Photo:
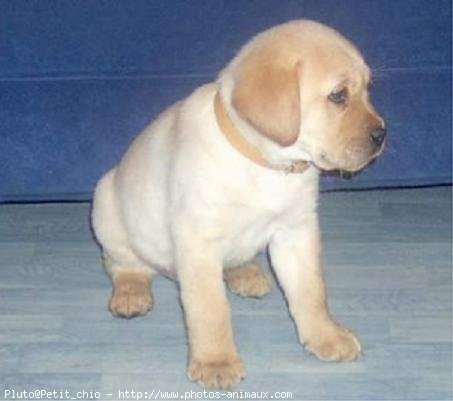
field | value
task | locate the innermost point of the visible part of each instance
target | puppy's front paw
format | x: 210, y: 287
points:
x: 222, y: 373
x: 334, y: 343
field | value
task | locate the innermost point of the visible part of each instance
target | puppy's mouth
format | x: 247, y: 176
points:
x: 322, y: 162
x: 352, y: 162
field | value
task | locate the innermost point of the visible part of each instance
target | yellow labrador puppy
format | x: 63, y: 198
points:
x: 232, y: 169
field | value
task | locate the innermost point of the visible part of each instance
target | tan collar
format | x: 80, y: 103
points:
x: 246, y: 148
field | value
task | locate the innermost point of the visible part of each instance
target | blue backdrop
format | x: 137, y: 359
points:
x: 79, y: 79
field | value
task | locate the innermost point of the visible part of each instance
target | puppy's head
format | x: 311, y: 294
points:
x: 303, y: 89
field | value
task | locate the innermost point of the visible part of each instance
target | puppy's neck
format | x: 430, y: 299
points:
x: 247, y: 149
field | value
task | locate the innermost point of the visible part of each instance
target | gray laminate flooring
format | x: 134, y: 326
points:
x: 388, y: 267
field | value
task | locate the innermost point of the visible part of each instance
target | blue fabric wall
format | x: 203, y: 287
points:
x: 79, y: 79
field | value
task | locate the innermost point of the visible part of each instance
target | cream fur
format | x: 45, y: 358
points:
x: 182, y: 202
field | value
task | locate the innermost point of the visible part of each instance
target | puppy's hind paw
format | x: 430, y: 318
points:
x: 248, y: 281
x: 131, y: 296
x: 129, y: 305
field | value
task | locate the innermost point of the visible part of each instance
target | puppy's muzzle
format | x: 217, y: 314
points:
x: 360, y: 152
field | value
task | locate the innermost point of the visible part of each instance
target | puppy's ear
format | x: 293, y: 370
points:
x: 266, y: 94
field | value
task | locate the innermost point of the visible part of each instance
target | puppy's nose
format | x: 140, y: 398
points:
x: 377, y: 135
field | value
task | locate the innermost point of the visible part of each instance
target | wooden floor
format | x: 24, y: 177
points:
x: 388, y: 266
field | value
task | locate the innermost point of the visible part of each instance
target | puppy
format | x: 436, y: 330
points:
x: 231, y: 170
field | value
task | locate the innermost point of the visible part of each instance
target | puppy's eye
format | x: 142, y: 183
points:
x: 339, y: 97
